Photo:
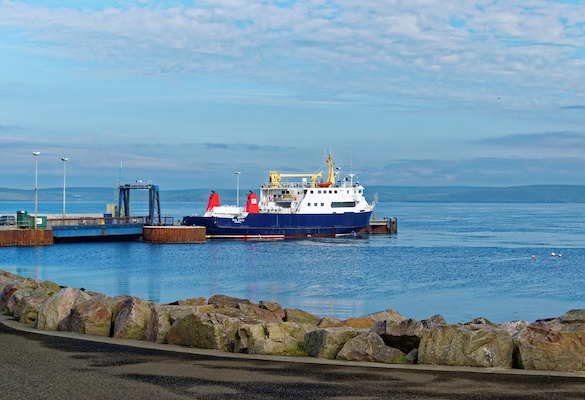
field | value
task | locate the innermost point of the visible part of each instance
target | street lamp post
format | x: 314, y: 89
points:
x: 64, y: 159
x: 36, y: 154
x: 238, y: 188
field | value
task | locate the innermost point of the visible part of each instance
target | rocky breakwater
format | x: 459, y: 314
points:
x: 229, y: 324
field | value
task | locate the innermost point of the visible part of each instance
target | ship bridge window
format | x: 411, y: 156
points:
x: 341, y: 204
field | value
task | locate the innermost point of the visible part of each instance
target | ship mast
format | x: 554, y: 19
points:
x: 330, y: 174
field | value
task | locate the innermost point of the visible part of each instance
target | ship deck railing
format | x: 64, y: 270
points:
x: 307, y: 185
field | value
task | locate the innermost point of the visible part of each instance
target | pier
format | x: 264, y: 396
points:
x: 72, y: 229
x: 104, y: 229
x: 385, y: 225
x: 120, y: 225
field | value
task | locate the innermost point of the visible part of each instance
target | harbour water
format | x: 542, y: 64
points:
x: 459, y: 260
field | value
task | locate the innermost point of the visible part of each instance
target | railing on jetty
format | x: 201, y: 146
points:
x: 85, y: 221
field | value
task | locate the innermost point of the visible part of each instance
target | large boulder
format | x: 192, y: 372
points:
x: 256, y: 313
x: 6, y: 276
x: 13, y: 304
x: 326, y: 342
x: 573, y: 317
x: 197, y: 301
x: 163, y: 316
x: 557, y: 344
x: 515, y: 329
x: 6, y: 294
x: 369, y: 346
x: 405, y: 335
x: 12, y: 294
x: 223, y: 301
x: 91, y: 317
x: 58, y: 307
x: 273, y: 307
x: 29, y: 309
x: 48, y: 288
x: 329, y: 322
x: 207, y: 331
x: 277, y: 338
x: 472, y: 345
x: 301, y: 317
x: 118, y: 305
x: 132, y: 320
x: 367, y: 321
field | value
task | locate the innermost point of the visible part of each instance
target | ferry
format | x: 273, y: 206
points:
x: 291, y: 206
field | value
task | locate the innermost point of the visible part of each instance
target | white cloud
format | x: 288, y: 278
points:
x: 528, y: 45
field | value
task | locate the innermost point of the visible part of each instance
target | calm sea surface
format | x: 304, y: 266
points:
x: 459, y: 260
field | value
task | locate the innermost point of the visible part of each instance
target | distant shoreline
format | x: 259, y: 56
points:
x: 385, y: 194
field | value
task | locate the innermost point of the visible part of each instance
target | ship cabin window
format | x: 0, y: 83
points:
x: 335, y: 191
x: 340, y: 204
x: 311, y: 192
x: 315, y: 204
x: 305, y: 191
x: 322, y: 204
x: 318, y: 192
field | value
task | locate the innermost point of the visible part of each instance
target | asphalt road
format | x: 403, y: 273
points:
x: 40, y: 366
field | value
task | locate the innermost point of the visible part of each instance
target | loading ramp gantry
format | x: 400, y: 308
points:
x: 154, y: 217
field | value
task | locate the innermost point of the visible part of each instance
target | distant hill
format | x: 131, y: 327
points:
x: 470, y: 194
x: 435, y: 194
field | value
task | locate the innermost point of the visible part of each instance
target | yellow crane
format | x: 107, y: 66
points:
x: 275, y: 177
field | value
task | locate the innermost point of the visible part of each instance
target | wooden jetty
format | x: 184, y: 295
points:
x: 86, y: 229
x: 174, y: 234
x: 385, y: 225
x: 25, y: 237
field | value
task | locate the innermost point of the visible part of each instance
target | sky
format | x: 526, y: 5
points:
x: 186, y: 93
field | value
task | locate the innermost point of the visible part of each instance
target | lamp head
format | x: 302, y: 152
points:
x: 36, y: 153
x: 64, y: 158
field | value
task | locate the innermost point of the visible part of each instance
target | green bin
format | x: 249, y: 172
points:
x: 22, y: 219
x: 41, y: 221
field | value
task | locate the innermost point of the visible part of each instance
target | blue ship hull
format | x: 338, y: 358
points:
x: 281, y: 226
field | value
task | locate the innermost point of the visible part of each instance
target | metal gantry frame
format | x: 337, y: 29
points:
x: 154, y: 217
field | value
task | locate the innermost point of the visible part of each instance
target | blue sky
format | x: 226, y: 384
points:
x: 184, y: 93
